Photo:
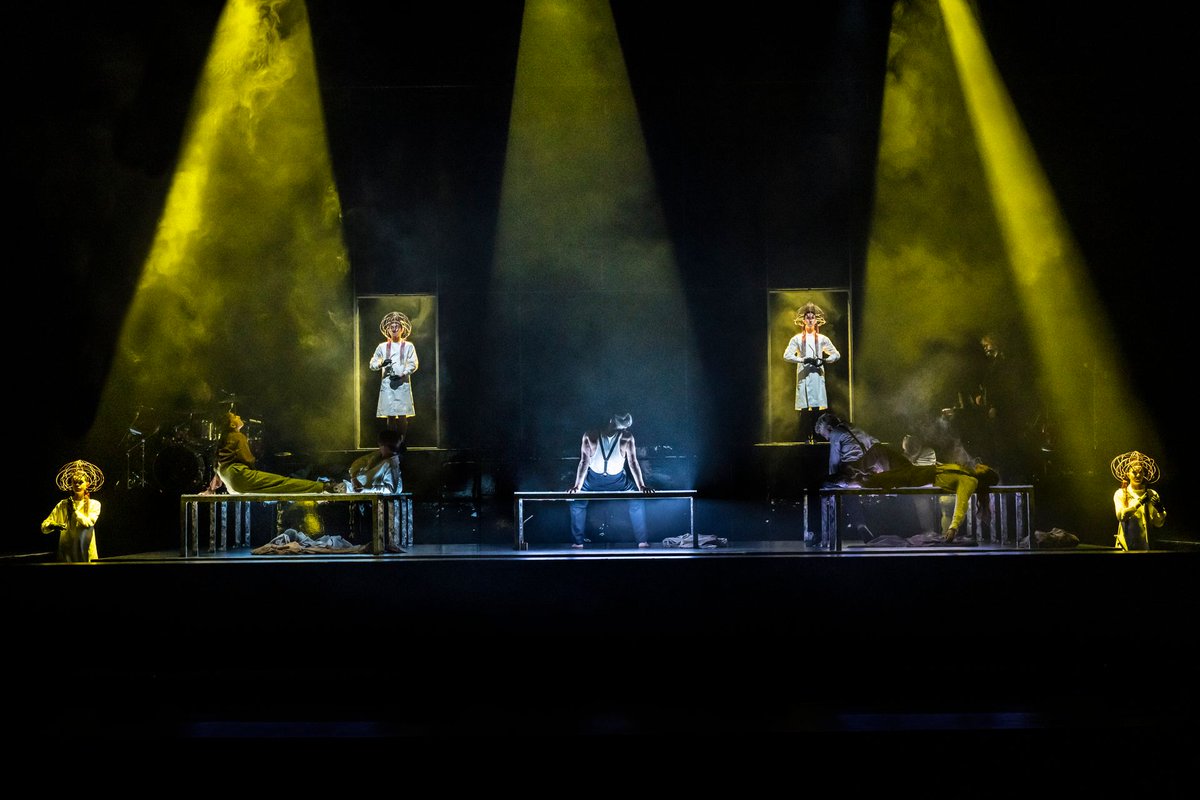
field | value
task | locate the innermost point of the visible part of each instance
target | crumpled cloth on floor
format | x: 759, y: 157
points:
x: 1053, y: 538
x: 294, y: 541
x: 924, y: 539
x: 706, y: 541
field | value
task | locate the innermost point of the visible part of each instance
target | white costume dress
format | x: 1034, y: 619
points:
x: 77, y: 539
x: 397, y: 361
x: 1136, y: 514
x: 810, y: 381
x: 374, y: 473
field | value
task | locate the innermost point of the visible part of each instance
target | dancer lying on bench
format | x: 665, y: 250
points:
x: 962, y: 480
x: 235, y: 467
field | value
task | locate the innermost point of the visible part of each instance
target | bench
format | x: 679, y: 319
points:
x: 1011, y: 508
x: 391, y: 517
x: 521, y: 498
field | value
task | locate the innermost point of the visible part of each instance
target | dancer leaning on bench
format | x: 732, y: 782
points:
x: 608, y: 463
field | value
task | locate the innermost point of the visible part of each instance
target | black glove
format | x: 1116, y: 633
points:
x: 813, y: 362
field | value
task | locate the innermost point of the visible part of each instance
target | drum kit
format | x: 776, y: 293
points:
x: 176, y: 453
x: 186, y: 456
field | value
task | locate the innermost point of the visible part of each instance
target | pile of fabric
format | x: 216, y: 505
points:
x: 705, y: 541
x: 294, y: 541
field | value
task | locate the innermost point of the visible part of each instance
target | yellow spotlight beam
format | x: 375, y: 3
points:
x: 582, y: 259
x: 577, y: 175
x: 1068, y: 325
x: 245, y: 286
x: 936, y: 275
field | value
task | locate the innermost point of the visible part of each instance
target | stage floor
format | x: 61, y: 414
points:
x: 971, y: 647
x: 610, y: 550
x: 463, y: 635
x: 603, y: 550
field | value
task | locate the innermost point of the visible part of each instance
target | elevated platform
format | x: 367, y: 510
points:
x: 521, y: 499
x: 1007, y: 523
x: 391, y: 517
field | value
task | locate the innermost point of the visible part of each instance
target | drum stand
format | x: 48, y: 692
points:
x: 135, y: 465
x: 134, y: 443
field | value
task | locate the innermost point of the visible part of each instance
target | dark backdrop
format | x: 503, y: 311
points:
x: 761, y: 130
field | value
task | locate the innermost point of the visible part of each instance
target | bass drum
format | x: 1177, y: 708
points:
x: 182, y: 469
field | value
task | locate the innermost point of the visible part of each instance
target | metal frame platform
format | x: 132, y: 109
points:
x: 391, y: 517
x: 520, y: 498
x: 1008, y: 504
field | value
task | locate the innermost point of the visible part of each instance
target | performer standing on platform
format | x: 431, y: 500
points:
x: 810, y: 350
x: 235, y: 467
x: 608, y: 462
x: 1138, y: 506
x: 74, y: 518
x: 396, y: 359
x: 1000, y: 417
